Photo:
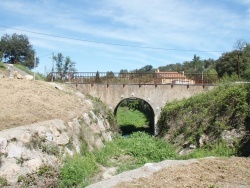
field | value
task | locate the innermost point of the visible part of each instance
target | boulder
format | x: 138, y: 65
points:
x: 28, y: 77
x: 3, y: 144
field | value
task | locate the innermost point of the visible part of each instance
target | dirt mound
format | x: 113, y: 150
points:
x: 215, y: 172
x: 25, y: 102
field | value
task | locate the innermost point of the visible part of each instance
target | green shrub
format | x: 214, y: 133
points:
x: 3, y: 182
x: 77, y: 170
x: 2, y: 66
x: 211, y: 113
x: 218, y: 149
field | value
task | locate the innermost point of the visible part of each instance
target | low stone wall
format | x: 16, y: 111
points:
x: 25, y: 149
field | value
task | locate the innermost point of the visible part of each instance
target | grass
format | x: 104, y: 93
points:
x: 2, y: 66
x: 132, y: 121
x: 131, y: 117
x: 124, y: 153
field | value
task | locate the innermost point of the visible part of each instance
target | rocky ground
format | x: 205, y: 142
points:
x: 25, y: 102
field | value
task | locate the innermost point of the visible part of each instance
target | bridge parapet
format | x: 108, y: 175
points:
x: 134, y: 78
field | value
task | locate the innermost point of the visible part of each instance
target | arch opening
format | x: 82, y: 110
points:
x: 133, y: 115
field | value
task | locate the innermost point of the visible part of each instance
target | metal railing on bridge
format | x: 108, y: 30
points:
x: 133, y: 78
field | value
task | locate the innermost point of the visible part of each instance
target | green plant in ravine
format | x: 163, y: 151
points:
x: 125, y: 117
x: 77, y: 170
x: 139, y: 148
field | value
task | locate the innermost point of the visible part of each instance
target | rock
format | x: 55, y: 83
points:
x: 54, y: 131
x: 98, y: 143
x: 203, y: 140
x: 62, y: 140
x: 108, y: 173
x: 3, y: 145
x: 34, y: 164
x: 10, y: 171
x: 29, y: 77
x: 86, y: 118
x: 14, y: 151
x: 49, y: 136
x: 230, y: 135
x: 185, y: 152
x: 100, y: 125
x: 25, y: 137
x: 192, y: 146
x: 186, y: 144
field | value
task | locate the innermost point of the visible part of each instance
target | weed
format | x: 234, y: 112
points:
x: 50, y: 148
x: 3, y: 182
x: 36, y: 142
x: 27, y: 180
x: 20, y: 161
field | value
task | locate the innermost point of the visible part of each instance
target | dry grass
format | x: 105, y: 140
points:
x: 24, y: 102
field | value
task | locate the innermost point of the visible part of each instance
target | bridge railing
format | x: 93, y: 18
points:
x: 133, y: 78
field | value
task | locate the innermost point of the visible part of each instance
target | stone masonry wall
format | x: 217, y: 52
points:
x: 25, y: 149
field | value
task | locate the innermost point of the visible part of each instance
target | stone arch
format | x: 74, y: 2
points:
x: 152, y: 113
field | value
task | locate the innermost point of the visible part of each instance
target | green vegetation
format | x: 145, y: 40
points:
x: 46, y: 176
x: 2, y: 66
x: 139, y: 147
x: 123, y: 153
x: 78, y: 170
x: 131, y: 119
x: 38, y: 76
x: 211, y: 114
x: 3, y: 182
x: 64, y: 66
x: 135, y: 115
x: 17, y: 49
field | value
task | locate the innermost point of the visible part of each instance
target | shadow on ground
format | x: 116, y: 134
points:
x: 129, y: 129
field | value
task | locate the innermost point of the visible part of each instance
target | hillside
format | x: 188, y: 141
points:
x: 25, y: 102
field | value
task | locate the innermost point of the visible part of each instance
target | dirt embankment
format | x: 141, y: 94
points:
x: 24, y: 102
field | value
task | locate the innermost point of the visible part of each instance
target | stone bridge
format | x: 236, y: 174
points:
x: 155, y: 95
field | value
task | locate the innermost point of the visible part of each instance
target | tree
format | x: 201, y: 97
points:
x: 110, y: 74
x: 235, y: 62
x: 64, y: 66
x: 239, y: 47
x: 17, y: 49
x: 197, y: 63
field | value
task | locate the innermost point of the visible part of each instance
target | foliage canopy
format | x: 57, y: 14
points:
x: 16, y: 49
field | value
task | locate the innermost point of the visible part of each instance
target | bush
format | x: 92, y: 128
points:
x: 224, y: 108
x: 77, y: 170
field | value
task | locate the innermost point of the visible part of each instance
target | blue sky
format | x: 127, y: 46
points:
x: 177, y: 28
